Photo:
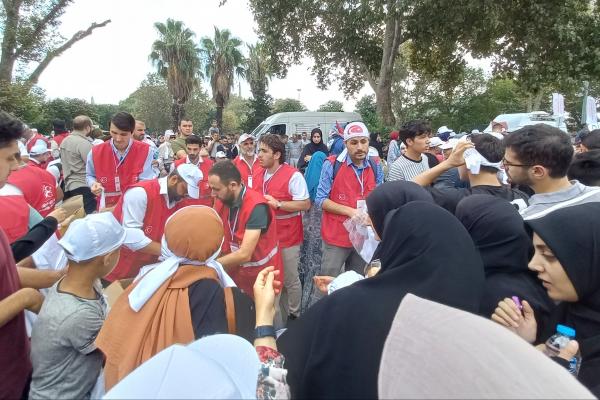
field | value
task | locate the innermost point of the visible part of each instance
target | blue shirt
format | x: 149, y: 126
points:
x: 326, y: 180
x: 147, y: 172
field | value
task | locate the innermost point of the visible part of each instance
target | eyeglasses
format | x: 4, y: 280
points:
x: 506, y: 163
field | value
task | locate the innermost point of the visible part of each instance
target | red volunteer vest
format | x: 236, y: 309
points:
x: 155, y: 218
x: 267, y: 251
x: 14, y: 216
x: 107, y: 168
x: 346, y: 190
x: 60, y: 137
x: 205, y: 196
x: 289, y: 224
x: 38, y: 187
x: 245, y: 171
x: 29, y: 144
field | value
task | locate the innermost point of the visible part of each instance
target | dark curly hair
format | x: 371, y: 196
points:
x: 11, y: 129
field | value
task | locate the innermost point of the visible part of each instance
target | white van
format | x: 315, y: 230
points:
x: 519, y: 120
x: 289, y: 123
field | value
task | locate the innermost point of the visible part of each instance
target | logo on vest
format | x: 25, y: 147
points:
x: 103, y: 179
x: 341, y: 196
x: 148, y: 229
x: 47, y: 191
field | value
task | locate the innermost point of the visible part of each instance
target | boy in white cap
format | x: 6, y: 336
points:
x: 144, y: 210
x: 66, y: 362
x: 38, y: 186
x: 343, y: 187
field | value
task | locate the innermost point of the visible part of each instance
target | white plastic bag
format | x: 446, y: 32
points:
x: 361, y: 236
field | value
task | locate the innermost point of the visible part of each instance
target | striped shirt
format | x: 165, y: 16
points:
x: 406, y: 169
x: 544, y: 203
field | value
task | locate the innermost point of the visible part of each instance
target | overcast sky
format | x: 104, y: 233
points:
x: 111, y: 63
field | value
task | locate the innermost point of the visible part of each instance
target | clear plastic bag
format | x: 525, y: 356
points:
x: 361, y: 236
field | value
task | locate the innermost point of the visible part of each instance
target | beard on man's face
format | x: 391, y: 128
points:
x: 229, y: 198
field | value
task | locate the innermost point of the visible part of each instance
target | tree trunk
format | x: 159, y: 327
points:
x: 391, y: 44
x: 219, y: 116
x: 383, y: 98
x: 9, y: 39
x: 177, y: 112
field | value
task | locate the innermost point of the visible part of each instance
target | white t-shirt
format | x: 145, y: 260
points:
x: 297, y: 186
x: 135, y: 203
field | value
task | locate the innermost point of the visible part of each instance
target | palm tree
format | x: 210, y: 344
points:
x: 258, y: 69
x: 223, y: 59
x: 177, y: 59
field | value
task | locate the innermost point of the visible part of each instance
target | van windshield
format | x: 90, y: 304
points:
x: 258, y: 129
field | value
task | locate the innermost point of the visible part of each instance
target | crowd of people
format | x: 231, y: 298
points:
x: 310, y: 266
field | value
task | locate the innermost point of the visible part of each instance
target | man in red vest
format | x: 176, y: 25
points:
x: 60, y: 131
x: 246, y: 161
x: 250, y: 242
x: 345, y: 183
x: 193, y: 146
x: 32, y: 136
x: 286, y: 193
x: 144, y: 210
x: 115, y: 165
x: 37, y: 185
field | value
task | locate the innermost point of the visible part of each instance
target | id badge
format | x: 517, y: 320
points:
x: 234, y: 247
x: 250, y: 181
x: 117, y: 184
x: 361, y: 205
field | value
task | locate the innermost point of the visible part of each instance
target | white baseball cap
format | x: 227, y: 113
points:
x: 450, y: 144
x: 192, y: 175
x: 95, y: 235
x: 220, y: 154
x: 244, y: 137
x: 169, y: 133
x: 214, y: 367
x: 435, y: 142
x: 355, y: 129
x: 444, y: 129
x: 40, y: 147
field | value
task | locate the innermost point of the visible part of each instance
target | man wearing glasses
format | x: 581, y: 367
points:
x: 539, y: 156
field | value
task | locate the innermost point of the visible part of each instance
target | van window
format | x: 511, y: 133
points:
x: 277, y: 129
x: 258, y: 129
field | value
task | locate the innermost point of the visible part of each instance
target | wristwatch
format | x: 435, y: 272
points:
x: 264, y: 331
x: 278, y: 205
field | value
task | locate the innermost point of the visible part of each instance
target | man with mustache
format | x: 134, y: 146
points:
x: 144, y: 209
x: 345, y: 183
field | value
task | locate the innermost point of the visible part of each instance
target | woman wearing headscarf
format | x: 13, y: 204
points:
x: 499, y: 234
x: 334, y: 349
x: 185, y: 297
x: 393, y: 148
x: 566, y: 260
x: 311, y: 249
x: 316, y: 144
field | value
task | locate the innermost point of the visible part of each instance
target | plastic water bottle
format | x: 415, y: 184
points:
x: 558, y: 341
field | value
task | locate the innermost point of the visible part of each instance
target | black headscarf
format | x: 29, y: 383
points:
x: 334, y: 349
x: 505, y: 248
x: 392, y: 195
x: 311, y: 148
x: 573, y: 235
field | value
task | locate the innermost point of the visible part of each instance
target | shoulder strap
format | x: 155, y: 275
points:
x: 230, y: 310
x: 336, y: 167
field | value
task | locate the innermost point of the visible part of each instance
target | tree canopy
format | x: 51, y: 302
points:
x: 30, y: 37
x: 287, y: 105
x: 332, y: 106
